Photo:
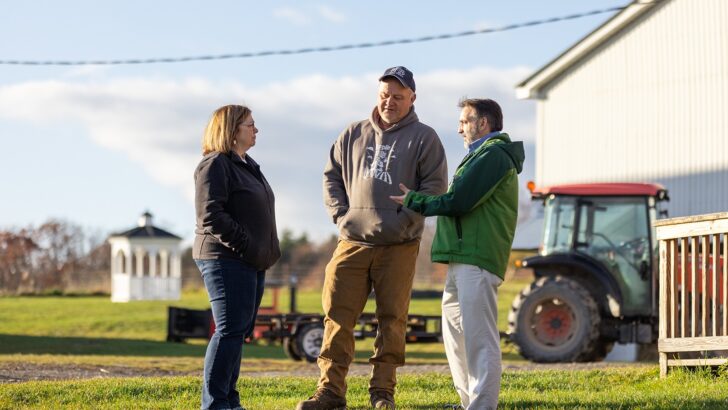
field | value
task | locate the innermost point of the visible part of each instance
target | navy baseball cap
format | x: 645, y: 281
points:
x: 402, y: 74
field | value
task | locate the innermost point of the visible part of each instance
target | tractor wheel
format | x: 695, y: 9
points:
x: 308, y: 341
x: 556, y: 320
x: 289, y: 347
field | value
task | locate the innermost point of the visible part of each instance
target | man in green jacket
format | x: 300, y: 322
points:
x: 475, y: 228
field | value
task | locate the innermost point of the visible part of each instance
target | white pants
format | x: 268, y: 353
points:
x: 470, y: 334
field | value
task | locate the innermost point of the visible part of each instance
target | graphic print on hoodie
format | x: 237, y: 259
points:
x: 380, y: 157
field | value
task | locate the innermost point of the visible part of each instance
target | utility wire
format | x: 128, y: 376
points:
x: 312, y: 49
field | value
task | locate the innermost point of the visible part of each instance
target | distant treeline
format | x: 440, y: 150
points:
x: 61, y: 257
x: 57, y: 256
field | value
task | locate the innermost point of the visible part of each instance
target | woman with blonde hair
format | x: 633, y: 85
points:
x: 235, y: 242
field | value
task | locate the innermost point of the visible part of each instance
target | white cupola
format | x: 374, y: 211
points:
x: 145, y: 263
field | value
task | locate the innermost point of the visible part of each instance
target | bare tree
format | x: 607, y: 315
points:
x: 428, y: 274
x: 16, y: 249
x: 61, y: 245
x: 56, y: 256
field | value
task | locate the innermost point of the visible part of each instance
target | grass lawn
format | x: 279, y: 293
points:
x: 625, y: 388
x: 92, y: 331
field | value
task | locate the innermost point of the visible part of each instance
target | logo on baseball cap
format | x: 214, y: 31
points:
x: 402, y: 74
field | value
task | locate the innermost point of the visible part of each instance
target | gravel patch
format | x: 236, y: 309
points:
x: 14, y: 372
x: 17, y: 372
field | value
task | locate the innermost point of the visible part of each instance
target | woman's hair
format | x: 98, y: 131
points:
x: 221, y: 129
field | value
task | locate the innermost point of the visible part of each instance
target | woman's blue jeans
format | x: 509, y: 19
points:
x: 235, y: 290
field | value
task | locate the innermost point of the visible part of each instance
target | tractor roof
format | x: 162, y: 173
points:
x: 603, y: 189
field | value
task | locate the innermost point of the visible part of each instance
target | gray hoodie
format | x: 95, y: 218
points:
x: 366, y: 166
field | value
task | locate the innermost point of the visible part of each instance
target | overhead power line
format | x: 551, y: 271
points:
x: 311, y: 49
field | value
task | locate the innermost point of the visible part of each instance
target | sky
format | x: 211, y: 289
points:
x: 99, y: 145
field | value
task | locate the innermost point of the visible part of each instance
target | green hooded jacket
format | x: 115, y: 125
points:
x: 478, y: 213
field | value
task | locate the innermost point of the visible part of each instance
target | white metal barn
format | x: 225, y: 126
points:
x: 643, y: 98
x: 145, y: 263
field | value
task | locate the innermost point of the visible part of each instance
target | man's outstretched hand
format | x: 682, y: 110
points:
x: 400, y: 198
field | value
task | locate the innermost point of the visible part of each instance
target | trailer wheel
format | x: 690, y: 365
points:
x: 289, y: 347
x: 556, y: 320
x: 308, y: 341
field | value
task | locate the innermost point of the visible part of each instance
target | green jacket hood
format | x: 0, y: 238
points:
x: 513, y: 149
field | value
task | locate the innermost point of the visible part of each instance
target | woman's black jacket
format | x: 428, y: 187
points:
x: 235, y: 211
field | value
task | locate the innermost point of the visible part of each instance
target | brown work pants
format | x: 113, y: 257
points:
x: 350, y: 275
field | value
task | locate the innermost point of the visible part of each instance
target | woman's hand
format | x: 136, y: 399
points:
x: 400, y: 198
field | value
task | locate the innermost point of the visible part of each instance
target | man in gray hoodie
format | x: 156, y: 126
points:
x: 378, y: 239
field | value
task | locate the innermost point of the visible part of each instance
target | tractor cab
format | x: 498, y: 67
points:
x: 595, y: 272
x: 610, y: 226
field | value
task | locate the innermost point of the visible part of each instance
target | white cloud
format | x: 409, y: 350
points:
x: 158, y: 123
x: 331, y: 14
x: 291, y: 15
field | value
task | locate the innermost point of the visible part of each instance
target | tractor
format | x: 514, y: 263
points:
x: 595, y: 273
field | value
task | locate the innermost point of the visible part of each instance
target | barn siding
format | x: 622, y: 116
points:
x: 648, y: 105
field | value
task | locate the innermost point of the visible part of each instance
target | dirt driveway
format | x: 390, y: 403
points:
x: 16, y: 372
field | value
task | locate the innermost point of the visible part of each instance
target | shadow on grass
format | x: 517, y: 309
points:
x: 434, y: 356
x: 698, y: 403
x: 512, y: 356
x: 23, y: 344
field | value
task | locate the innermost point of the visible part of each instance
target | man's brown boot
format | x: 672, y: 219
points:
x: 323, y: 399
x: 381, y: 399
